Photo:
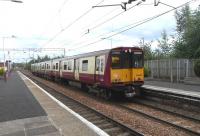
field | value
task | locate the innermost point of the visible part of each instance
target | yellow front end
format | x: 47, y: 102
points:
x: 127, y: 76
x: 121, y: 75
x: 137, y: 76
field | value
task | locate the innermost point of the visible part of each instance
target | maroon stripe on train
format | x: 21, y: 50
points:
x: 86, y: 78
x: 107, y: 78
x: 68, y: 75
x: 56, y: 73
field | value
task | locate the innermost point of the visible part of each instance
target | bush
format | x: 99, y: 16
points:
x: 146, y: 71
x: 197, y: 68
x: 2, y: 71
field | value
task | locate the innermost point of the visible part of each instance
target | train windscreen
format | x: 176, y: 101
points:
x: 116, y: 59
x: 137, y: 61
x: 127, y: 59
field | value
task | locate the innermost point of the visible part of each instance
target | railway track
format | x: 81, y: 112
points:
x: 189, y: 125
x: 177, y: 99
x: 182, y: 105
x: 107, y: 124
x: 166, y: 109
x: 113, y: 127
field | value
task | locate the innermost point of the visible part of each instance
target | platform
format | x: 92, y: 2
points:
x: 25, y: 110
x: 177, y: 88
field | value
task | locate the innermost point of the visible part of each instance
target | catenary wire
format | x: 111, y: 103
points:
x: 100, y: 24
x: 142, y: 22
x: 69, y: 25
x: 59, y: 10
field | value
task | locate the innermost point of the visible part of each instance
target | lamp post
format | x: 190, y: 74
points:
x: 3, y: 39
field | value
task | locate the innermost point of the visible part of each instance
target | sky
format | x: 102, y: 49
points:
x: 78, y: 28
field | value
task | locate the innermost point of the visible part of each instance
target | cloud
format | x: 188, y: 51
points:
x: 35, y: 22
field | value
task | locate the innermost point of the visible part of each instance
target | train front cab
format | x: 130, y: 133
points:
x: 127, y: 72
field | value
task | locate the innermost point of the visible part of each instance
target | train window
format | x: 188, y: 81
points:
x: 126, y: 56
x: 137, y: 59
x: 65, y: 65
x: 69, y: 65
x: 97, y: 64
x: 102, y: 65
x: 56, y: 66
x: 76, y: 64
x: 85, y: 65
x: 116, y: 61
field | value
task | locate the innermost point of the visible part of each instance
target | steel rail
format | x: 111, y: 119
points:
x: 139, y: 101
x: 64, y: 98
x: 160, y: 120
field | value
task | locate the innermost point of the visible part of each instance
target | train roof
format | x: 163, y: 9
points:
x: 106, y: 51
x: 88, y: 54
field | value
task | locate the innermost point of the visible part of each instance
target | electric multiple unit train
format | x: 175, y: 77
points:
x: 117, y: 70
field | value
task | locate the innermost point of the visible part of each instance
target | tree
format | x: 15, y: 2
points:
x: 146, y: 46
x: 163, y: 45
x: 197, y: 68
x: 187, y: 44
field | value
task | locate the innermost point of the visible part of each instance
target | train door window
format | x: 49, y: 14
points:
x: 126, y: 56
x: 60, y: 65
x: 116, y: 59
x: 56, y: 66
x: 97, y: 64
x: 65, y: 65
x: 76, y: 64
x: 85, y: 65
x: 137, y: 59
x: 69, y: 65
x: 102, y: 64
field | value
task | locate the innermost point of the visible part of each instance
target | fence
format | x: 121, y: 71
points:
x: 174, y: 70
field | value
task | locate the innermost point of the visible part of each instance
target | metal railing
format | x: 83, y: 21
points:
x: 174, y: 70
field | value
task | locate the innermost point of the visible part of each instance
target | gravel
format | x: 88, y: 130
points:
x: 133, y: 120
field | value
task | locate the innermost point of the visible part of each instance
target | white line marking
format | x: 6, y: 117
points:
x: 172, y: 90
x: 89, y: 124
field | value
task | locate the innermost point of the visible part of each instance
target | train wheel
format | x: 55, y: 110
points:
x: 106, y: 94
x: 84, y: 87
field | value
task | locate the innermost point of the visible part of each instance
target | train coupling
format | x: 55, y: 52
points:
x: 131, y: 92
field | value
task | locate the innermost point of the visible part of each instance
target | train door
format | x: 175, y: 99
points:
x: 60, y: 68
x: 97, y: 68
x: 76, y: 69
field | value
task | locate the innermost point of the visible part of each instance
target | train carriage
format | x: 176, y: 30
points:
x: 67, y: 69
x: 48, y: 69
x: 55, y: 71
x: 106, y: 71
